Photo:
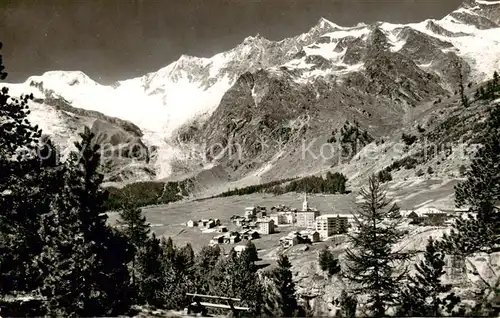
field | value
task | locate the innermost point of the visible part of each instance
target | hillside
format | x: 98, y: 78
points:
x: 268, y: 110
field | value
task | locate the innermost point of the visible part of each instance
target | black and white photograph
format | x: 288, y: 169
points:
x: 250, y: 158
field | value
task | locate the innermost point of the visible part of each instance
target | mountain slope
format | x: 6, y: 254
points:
x: 267, y: 101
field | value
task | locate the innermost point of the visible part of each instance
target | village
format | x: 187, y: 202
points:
x: 303, y: 226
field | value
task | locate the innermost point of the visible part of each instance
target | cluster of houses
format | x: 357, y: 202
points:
x: 302, y: 237
x: 319, y: 226
x: 205, y: 223
x: 256, y: 222
x: 256, y: 219
x: 233, y: 237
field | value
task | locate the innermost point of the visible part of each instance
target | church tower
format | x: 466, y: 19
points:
x: 305, y: 204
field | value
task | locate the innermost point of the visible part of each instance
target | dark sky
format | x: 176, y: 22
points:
x: 117, y: 39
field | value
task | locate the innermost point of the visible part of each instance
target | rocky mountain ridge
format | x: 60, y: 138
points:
x: 267, y: 99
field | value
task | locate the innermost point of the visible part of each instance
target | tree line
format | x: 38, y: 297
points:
x: 147, y: 193
x: 332, y: 183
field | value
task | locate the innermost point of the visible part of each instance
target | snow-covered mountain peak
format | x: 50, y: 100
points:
x: 191, y: 88
x: 325, y: 23
x: 59, y: 79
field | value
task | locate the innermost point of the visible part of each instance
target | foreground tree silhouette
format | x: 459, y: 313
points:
x: 426, y: 295
x: 30, y: 174
x: 371, y: 264
x: 83, y: 260
x: 480, y: 231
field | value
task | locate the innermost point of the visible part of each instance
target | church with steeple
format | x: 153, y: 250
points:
x: 307, y: 216
x: 305, y: 204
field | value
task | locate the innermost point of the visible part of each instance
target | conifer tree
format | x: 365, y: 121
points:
x: 83, y: 260
x: 463, y: 97
x: 284, y: 296
x: 136, y: 230
x: 235, y: 276
x: 426, y: 295
x: 168, y: 248
x: 251, y: 252
x: 134, y: 226
x: 480, y: 231
x: 206, y: 260
x: 482, y: 93
x: 371, y: 264
x: 178, y: 273
x: 328, y: 262
x: 150, y: 269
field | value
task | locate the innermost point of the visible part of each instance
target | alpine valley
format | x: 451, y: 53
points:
x: 277, y: 104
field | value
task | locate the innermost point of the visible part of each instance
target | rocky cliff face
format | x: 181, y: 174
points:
x: 275, y: 122
x: 267, y: 100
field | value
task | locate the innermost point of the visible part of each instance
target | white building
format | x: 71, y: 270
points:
x: 265, y: 226
x: 307, y: 217
x: 250, y: 212
x: 330, y: 224
x: 191, y: 223
x: 283, y: 217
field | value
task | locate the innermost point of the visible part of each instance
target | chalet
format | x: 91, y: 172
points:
x: 428, y: 216
x: 217, y: 222
x: 249, y: 235
x: 291, y: 239
x: 238, y: 220
x: 310, y: 236
x: 210, y: 224
x: 219, y: 239
x: 191, y: 223
x: 222, y: 229
x: 416, y: 218
x: 232, y: 238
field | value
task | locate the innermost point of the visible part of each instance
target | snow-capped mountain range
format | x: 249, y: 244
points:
x: 193, y: 91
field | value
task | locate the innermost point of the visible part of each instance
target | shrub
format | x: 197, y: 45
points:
x: 409, y: 139
x: 384, y: 176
